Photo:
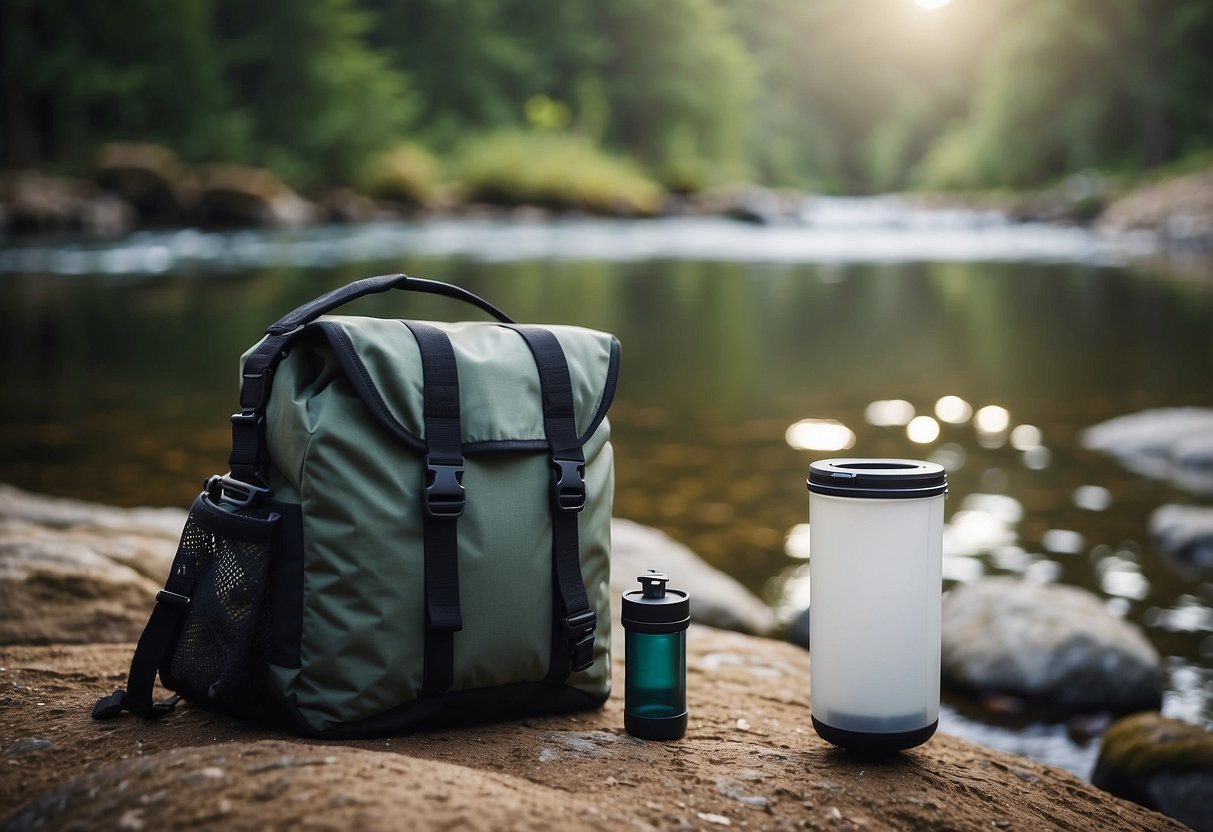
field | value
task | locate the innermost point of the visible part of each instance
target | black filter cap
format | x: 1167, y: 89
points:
x: 887, y: 479
x: 656, y: 609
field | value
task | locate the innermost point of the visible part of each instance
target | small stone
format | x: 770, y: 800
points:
x: 27, y: 746
x: 719, y: 820
x: 546, y: 755
x: 743, y: 725
x: 131, y: 819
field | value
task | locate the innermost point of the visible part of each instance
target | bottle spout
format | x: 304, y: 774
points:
x: 654, y: 583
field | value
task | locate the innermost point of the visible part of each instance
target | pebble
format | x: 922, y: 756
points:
x: 719, y: 820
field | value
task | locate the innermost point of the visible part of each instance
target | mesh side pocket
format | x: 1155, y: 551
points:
x: 220, y: 651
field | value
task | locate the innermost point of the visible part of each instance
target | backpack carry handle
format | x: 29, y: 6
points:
x: 329, y: 301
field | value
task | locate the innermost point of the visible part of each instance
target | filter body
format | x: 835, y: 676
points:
x: 876, y: 557
x: 655, y: 621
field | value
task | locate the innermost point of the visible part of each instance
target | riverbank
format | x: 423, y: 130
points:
x: 141, y: 187
x: 749, y: 759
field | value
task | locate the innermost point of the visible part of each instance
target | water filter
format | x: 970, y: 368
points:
x: 655, y: 620
x: 875, y: 590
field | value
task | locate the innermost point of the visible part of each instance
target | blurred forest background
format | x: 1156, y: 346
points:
x: 833, y: 96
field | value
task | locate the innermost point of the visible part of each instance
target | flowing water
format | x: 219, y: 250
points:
x: 748, y: 351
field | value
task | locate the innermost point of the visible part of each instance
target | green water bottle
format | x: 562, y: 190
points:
x: 655, y: 621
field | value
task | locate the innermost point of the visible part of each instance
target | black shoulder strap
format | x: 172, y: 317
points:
x: 443, y: 502
x: 152, y: 650
x: 573, y: 620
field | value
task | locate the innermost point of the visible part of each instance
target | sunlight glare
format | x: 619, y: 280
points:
x: 819, y: 435
x: 931, y: 5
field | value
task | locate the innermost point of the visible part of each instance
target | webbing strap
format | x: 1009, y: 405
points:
x: 573, y: 622
x: 442, y: 501
x: 152, y: 650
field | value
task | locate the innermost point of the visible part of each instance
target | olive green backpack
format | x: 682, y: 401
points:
x: 415, y: 529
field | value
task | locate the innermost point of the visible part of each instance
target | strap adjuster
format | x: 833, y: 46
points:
x: 172, y: 599
x: 228, y: 489
x: 444, y: 493
x: 568, y: 484
x: 579, y: 630
x: 109, y: 706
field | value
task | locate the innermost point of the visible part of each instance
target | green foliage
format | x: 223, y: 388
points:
x: 1116, y: 84
x: 557, y: 170
x: 404, y: 173
x: 833, y: 95
x: 679, y: 82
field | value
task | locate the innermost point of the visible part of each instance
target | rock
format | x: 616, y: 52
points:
x: 106, y: 216
x: 195, y: 769
x: 1186, y: 532
x: 235, y: 196
x: 1179, y: 211
x: 38, y: 204
x: 346, y: 205
x: 756, y: 205
x: 1163, y: 764
x: 798, y: 630
x: 72, y: 572
x: 149, y: 177
x: 1174, y: 444
x: 716, y: 599
x: 1052, y: 645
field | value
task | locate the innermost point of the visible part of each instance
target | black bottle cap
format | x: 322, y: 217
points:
x: 656, y: 609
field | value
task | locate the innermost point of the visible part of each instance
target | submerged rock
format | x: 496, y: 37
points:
x: 1174, y: 444
x: 716, y: 599
x: 1053, y: 645
x: 1186, y: 532
x: 1163, y: 764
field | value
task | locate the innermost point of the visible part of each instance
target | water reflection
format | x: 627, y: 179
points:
x: 1092, y: 497
x: 922, y: 429
x: 954, y: 410
x: 889, y: 413
x: 819, y: 435
x: 1025, y: 437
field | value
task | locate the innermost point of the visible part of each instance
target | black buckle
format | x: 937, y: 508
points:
x: 444, y: 494
x: 231, y: 490
x: 568, y: 484
x: 579, y: 630
x: 108, y: 706
x: 172, y: 599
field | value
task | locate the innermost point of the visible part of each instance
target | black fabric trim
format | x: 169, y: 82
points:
x: 356, y: 372
x: 457, y: 708
x: 608, y: 392
x: 286, y: 588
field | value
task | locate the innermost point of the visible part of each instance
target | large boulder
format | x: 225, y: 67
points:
x: 1052, y: 645
x: 1161, y: 763
x: 716, y: 599
x: 1174, y: 444
x: 77, y: 573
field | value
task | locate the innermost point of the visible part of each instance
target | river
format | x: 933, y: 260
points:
x: 747, y: 351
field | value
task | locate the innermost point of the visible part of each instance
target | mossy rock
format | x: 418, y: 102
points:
x: 1163, y: 764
